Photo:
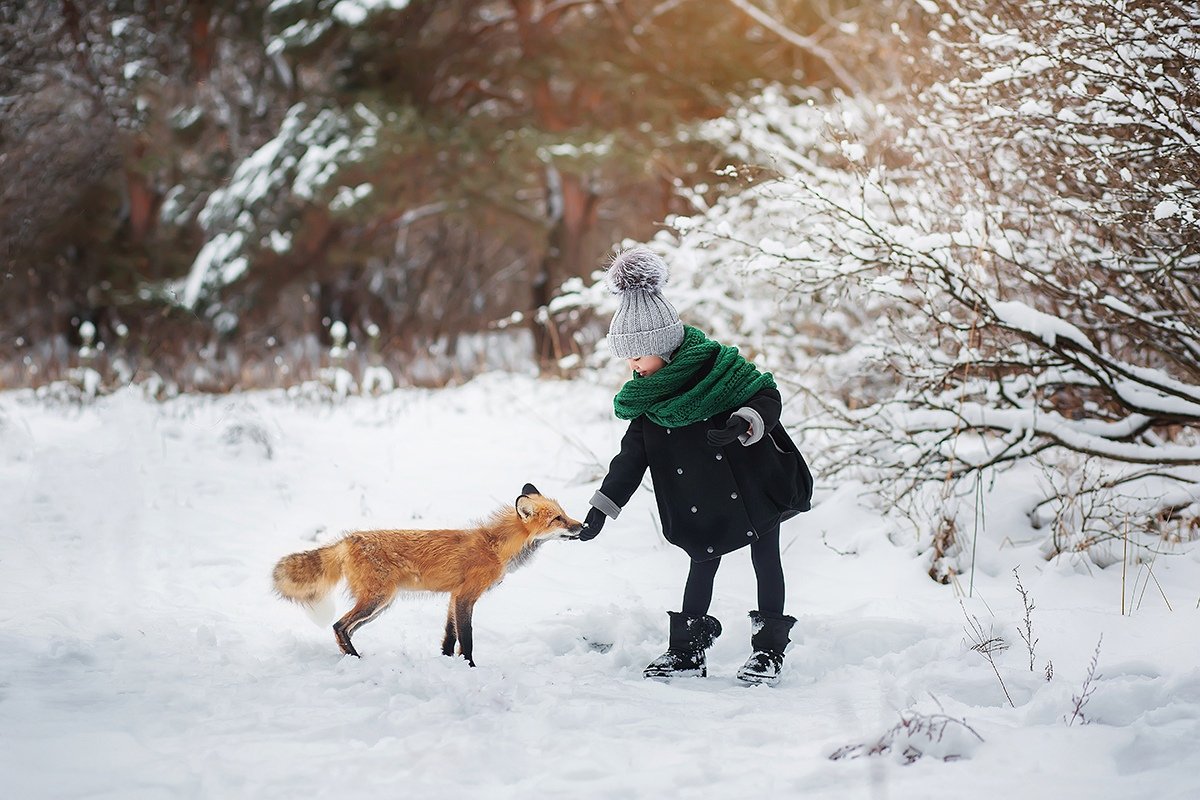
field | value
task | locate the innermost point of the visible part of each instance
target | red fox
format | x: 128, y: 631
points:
x: 465, y: 563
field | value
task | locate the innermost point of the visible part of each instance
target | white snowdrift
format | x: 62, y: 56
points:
x: 142, y: 654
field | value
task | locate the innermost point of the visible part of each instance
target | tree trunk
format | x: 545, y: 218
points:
x: 142, y: 198
x: 201, y: 42
x: 571, y: 202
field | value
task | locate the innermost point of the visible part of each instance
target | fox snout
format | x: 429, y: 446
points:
x: 563, y: 527
x: 572, y: 531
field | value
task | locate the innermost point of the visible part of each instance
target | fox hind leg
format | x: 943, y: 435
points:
x: 355, y: 618
x: 451, y: 637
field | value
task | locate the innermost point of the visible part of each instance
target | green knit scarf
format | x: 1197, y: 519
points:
x: 731, y: 382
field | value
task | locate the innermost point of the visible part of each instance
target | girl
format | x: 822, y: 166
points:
x: 705, y: 422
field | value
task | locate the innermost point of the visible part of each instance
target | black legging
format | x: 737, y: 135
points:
x: 764, y: 554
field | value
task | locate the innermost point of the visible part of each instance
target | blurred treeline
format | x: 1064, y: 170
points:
x: 212, y: 186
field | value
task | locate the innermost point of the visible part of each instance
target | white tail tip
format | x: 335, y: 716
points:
x: 321, y: 612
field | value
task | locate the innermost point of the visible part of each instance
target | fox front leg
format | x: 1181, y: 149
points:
x: 462, y: 624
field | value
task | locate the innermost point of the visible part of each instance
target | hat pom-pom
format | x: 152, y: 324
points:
x: 636, y: 268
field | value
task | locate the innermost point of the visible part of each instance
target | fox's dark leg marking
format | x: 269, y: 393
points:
x: 462, y: 623
x: 358, y: 616
x: 451, y: 638
x: 343, y: 639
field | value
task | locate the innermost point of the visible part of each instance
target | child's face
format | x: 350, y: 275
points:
x: 646, y: 365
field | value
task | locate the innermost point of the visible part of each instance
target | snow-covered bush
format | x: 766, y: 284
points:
x: 994, y: 262
x: 1043, y: 208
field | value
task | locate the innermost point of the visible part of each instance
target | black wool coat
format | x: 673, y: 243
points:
x: 714, y: 500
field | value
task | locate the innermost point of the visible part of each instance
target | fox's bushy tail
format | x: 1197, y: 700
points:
x: 308, y: 578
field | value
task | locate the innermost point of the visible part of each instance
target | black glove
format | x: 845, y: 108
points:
x: 592, y: 524
x: 735, y: 427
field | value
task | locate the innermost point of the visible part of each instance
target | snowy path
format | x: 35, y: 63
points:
x: 142, y: 654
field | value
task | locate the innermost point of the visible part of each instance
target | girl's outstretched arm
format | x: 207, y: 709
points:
x: 624, y: 472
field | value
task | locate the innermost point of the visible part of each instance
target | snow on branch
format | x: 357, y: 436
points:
x: 1027, y: 425
x: 267, y: 188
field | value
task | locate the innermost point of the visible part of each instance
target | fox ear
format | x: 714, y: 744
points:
x: 524, y: 507
x: 529, y: 488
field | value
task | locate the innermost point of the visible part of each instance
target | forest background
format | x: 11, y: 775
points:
x: 208, y: 188
x: 965, y: 235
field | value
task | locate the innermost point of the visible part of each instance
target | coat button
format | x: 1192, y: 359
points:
x: 719, y: 456
x: 710, y: 549
x: 680, y: 470
x: 693, y: 509
x: 668, y: 430
x: 733, y: 496
x: 750, y: 533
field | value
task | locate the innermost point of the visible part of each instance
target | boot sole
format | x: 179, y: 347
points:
x: 750, y: 679
x: 665, y: 676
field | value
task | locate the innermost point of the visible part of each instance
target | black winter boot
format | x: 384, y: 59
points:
x: 690, y: 637
x: 769, y: 637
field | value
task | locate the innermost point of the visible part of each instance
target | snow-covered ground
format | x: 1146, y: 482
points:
x: 143, y: 655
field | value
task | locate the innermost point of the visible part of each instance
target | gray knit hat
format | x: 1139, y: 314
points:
x: 645, y: 324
